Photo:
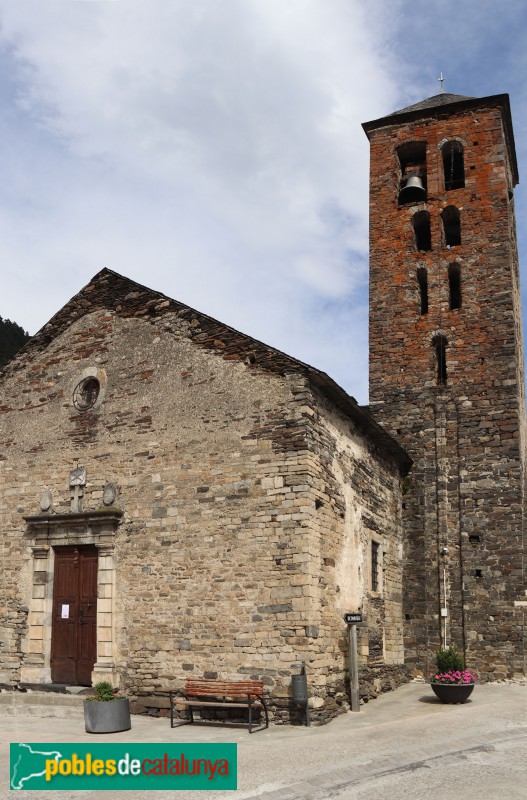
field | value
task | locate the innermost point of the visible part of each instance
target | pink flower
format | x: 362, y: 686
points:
x: 454, y: 677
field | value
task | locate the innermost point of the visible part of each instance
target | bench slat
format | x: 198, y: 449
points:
x: 195, y: 687
x: 217, y: 704
x: 215, y: 683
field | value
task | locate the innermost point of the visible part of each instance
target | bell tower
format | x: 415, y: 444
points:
x: 446, y: 371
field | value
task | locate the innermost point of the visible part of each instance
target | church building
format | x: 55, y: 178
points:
x: 178, y: 499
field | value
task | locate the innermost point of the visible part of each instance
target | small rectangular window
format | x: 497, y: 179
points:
x: 422, y: 279
x: 454, y: 285
x: 440, y: 344
x: 375, y: 566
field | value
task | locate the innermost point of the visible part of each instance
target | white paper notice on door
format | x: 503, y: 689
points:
x: 65, y: 613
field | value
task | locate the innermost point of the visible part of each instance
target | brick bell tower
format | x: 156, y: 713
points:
x: 447, y: 374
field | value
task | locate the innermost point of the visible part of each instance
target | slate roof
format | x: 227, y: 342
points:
x: 442, y: 99
x: 125, y: 297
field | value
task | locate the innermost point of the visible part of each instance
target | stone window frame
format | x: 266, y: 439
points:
x: 99, y: 375
x: 375, y: 539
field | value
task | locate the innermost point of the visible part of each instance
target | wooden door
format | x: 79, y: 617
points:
x: 74, y: 631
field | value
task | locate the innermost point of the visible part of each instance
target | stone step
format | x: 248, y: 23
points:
x: 40, y: 704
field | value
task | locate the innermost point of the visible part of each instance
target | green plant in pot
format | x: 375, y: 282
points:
x: 452, y: 682
x: 106, y: 711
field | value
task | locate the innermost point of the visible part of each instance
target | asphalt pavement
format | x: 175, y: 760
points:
x: 404, y: 744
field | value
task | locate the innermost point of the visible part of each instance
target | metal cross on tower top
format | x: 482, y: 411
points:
x: 441, y: 80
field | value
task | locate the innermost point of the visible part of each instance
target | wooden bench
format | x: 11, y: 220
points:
x: 220, y: 694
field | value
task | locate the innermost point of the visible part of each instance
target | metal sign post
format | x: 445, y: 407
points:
x: 352, y: 620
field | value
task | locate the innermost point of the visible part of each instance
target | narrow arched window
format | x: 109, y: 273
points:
x: 453, y: 165
x: 440, y: 344
x: 422, y: 234
x: 451, y: 226
x: 422, y: 279
x: 454, y: 285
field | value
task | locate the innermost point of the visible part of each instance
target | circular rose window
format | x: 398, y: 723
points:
x: 86, y: 393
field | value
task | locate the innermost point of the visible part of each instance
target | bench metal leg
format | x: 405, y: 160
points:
x: 172, y: 718
x: 264, y: 706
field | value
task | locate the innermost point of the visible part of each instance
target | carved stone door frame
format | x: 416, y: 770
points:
x: 45, y: 532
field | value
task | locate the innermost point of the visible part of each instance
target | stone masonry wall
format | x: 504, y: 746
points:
x: 358, y: 500
x: 217, y: 564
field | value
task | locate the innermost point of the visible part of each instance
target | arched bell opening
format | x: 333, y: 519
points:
x: 422, y: 231
x: 451, y: 226
x: 453, y: 165
x: 413, y: 181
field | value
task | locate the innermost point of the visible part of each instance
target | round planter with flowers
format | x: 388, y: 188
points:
x: 452, y: 683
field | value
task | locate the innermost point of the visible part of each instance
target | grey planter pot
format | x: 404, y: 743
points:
x: 107, y: 717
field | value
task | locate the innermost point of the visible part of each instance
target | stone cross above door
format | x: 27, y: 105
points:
x: 77, y: 484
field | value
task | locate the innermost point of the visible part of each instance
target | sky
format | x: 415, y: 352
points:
x: 212, y: 150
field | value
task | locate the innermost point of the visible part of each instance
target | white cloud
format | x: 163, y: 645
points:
x: 211, y: 150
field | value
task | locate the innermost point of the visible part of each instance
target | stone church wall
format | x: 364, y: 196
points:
x: 358, y: 495
x: 233, y: 546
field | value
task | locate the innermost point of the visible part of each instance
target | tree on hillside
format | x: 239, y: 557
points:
x: 12, y: 338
